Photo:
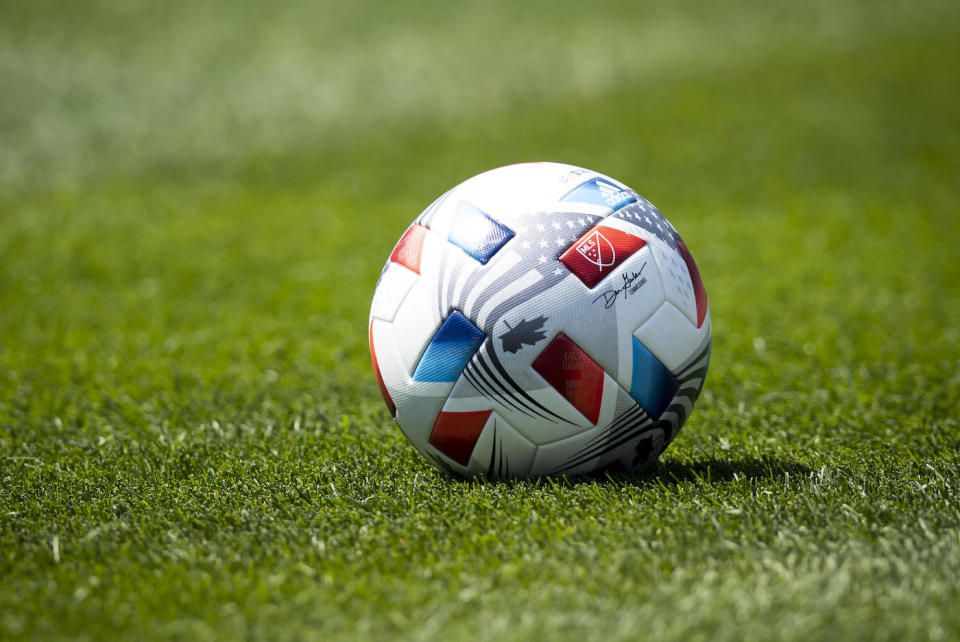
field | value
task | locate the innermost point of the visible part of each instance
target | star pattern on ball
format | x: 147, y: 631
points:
x: 643, y: 214
x: 552, y: 233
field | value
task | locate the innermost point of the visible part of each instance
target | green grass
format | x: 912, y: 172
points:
x: 195, y: 203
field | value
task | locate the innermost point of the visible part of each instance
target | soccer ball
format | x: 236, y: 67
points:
x: 540, y: 319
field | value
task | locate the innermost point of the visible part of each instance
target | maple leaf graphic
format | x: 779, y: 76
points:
x: 524, y: 333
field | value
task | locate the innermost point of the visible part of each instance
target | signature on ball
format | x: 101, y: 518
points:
x: 632, y: 281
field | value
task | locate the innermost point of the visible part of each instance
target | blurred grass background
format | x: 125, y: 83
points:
x: 196, y: 200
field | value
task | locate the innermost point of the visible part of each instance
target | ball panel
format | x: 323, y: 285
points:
x: 407, y: 250
x: 418, y: 409
x: 417, y: 403
x: 387, y: 399
x: 455, y: 434
x: 540, y: 414
x: 646, y: 449
x: 651, y: 384
x: 504, y: 297
x: 671, y: 336
x: 477, y: 233
x: 501, y: 452
x: 691, y: 380
x: 599, y: 252
x: 572, y: 373
x: 389, y: 361
x: 415, y: 323
x: 395, y: 283
x: 551, y: 459
x: 482, y: 290
x: 517, y: 189
x: 601, y: 191
x: 622, y: 423
x: 701, y: 356
x: 452, y: 346
x: 700, y: 294
x: 645, y: 295
x: 678, y: 285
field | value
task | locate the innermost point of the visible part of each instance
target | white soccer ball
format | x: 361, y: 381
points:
x: 540, y: 319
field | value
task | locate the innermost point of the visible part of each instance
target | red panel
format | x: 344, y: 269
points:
x: 574, y: 375
x: 456, y: 433
x: 699, y: 291
x: 376, y: 369
x: 407, y: 252
x: 598, y: 253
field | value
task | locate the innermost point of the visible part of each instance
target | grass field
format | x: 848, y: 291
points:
x: 196, y: 200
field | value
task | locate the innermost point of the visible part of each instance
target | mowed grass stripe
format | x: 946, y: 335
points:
x: 96, y: 89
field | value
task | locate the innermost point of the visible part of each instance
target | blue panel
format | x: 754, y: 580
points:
x: 601, y: 192
x: 476, y: 233
x: 449, y: 350
x: 653, y: 386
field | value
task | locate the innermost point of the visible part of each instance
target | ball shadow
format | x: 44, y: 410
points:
x: 706, y: 470
x: 709, y: 470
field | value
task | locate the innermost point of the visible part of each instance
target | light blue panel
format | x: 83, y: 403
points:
x: 653, y: 385
x: 476, y: 233
x: 450, y: 349
x: 601, y: 192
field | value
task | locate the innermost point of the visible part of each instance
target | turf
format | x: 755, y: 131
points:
x: 197, y: 200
